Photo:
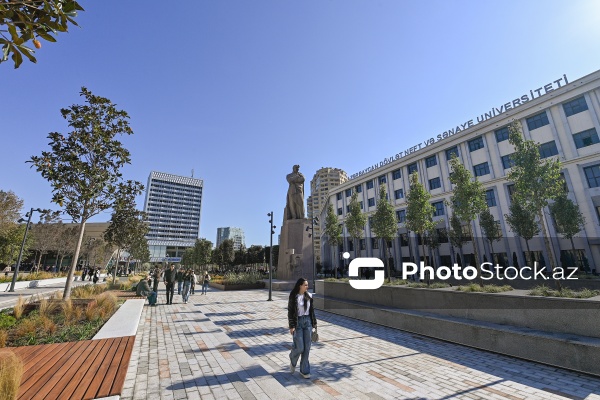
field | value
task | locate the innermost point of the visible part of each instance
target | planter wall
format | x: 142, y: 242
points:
x: 259, y: 285
x: 570, y: 316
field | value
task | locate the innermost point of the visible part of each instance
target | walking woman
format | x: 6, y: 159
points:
x: 301, y: 320
x: 205, y: 282
x: 187, y: 277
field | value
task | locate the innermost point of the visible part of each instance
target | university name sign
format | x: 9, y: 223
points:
x: 495, y: 111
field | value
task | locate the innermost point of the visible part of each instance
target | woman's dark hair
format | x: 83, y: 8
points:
x: 296, y: 291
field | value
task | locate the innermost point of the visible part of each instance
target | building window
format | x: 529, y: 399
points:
x: 396, y: 174
x: 347, y: 209
x: 361, y: 204
x: 374, y: 243
x: 339, y: 196
x: 358, y: 188
x: 507, y: 161
x: 490, y: 198
x: 401, y: 216
x: 537, y: 121
x: 586, y: 138
x: 575, y: 106
x: 481, y: 169
x: 501, y: 134
x: 398, y: 194
x: 371, y: 202
x: 476, y: 144
x: 369, y: 184
x: 564, y: 182
x: 435, y: 183
x: 382, y: 179
x: 348, y: 192
x: 548, y: 149
x: 511, y: 190
x: 431, y: 161
x: 438, y: 208
x: 593, y: 175
x: 412, y: 168
x: 339, y: 210
x: 450, y: 151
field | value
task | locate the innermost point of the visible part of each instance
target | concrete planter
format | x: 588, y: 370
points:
x: 259, y: 285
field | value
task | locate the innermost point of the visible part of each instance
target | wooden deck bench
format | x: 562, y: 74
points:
x: 88, y: 369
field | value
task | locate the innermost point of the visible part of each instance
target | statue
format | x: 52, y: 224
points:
x: 295, y: 195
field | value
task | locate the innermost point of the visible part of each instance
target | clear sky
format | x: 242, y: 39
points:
x: 240, y: 91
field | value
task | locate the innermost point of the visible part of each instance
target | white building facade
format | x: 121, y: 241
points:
x: 562, y: 116
x: 173, y: 204
x: 235, y: 234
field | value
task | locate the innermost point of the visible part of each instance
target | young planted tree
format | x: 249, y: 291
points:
x: 226, y: 252
x: 11, y: 239
x: 455, y: 234
x: 333, y: 229
x: 489, y: 228
x: 568, y: 219
x: 467, y: 200
x: 419, y: 210
x: 355, y: 222
x: 84, y: 167
x: 26, y: 20
x: 385, y: 225
x: 523, y: 223
x: 202, y: 252
x: 45, y: 234
x: 536, y: 181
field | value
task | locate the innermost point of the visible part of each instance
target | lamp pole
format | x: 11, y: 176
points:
x: 16, y: 273
x: 313, y: 221
x: 270, y: 215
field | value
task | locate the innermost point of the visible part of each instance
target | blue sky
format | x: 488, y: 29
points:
x: 240, y: 91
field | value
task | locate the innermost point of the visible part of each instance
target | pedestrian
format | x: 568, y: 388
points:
x: 95, y: 275
x: 194, y: 281
x: 169, y: 279
x: 156, y: 277
x: 179, y: 279
x: 143, y: 289
x: 205, y: 281
x: 187, y: 285
x: 301, y: 320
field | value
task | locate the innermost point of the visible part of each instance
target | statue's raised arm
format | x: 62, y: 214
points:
x: 295, y: 195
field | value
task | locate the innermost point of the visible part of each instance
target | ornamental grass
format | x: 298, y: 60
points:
x: 11, y: 373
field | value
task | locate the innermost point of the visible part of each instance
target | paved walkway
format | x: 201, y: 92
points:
x: 8, y: 299
x: 235, y: 345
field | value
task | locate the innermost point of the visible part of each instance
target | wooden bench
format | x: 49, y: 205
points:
x: 88, y: 369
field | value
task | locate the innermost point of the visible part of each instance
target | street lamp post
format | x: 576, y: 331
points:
x: 313, y: 222
x: 16, y: 273
x: 270, y: 215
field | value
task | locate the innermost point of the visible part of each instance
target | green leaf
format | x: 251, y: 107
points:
x: 45, y: 36
x: 17, y: 58
x: 13, y: 31
x: 28, y: 53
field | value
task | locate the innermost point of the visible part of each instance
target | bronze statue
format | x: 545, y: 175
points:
x: 295, y: 195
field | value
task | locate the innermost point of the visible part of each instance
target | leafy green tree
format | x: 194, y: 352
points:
x: 26, y: 20
x: 568, y: 219
x: 139, y: 250
x: 385, y: 225
x: 187, y: 258
x: 202, y: 252
x: 419, y: 210
x: 84, y: 167
x: 355, y: 222
x: 255, y: 254
x: 10, y: 210
x: 455, y: 234
x: 45, y: 234
x: 489, y: 228
x: 536, y: 181
x: 226, y: 252
x: 11, y: 239
x: 523, y: 223
x: 467, y: 200
x: 333, y: 229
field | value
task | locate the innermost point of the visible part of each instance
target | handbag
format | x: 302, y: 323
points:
x: 314, y: 337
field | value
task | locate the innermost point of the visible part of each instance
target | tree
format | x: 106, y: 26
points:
x: 67, y: 241
x: 467, y: 200
x: 202, y: 252
x: 568, y: 220
x: 355, y: 222
x: 333, y: 229
x: 536, y: 181
x: 26, y: 20
x: 45, y: 234
x: 139, y: 250
x: 523, y: 223
x: 188, y: 256
x: 419, y: 210
x: 84, y: 168
x: 489, y: 228
x: 10, y: 210
x: 225, y: 253
x: 10, y: 244
x: 385, y: 225
x: 456, y: 236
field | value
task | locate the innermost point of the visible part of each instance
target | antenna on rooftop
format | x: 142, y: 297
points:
x: 192, y: 172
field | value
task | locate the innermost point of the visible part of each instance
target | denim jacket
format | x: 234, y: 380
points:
x: 293, y: 312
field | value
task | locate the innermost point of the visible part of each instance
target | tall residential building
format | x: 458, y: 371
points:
x: 235, y: 234
x: 563, y: 117
x: 173, y: 205
x: 323, y: 180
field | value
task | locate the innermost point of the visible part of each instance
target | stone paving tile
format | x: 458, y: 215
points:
x: 235, y: 345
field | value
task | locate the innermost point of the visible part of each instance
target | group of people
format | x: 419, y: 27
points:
x: 185, y: 279
x: 93, y: 273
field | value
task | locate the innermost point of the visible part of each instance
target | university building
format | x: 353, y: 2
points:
x: 562, y: 116
x: 173, y: 204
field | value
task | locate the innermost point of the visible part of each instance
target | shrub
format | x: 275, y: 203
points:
x: 3, y: 338
x: 6, y: 321
x: 232, y: 278
x: 545, y: 291
x: 19, y: 307
x: 475, y: 287
x: 396, y: 282
x: 91, y: 311
x: 47, y: 325
x: 11, y: 372
x: 107, y: 302
x: 434, y: 285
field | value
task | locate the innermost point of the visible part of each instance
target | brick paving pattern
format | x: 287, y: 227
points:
x: 235, y: 345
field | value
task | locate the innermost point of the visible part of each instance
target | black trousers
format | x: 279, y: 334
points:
x: 170, y: 292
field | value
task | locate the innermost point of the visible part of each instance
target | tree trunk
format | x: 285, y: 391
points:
x: 424, y: 258
x: 67, y: 292
x: 548, y: 248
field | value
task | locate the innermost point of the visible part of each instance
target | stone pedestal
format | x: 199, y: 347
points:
x: 295, y: 251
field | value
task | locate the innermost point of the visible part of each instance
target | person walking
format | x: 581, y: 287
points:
x: 205, y: 281
x: 169, y: 279
x: 143, y: 289
x: 187, y: 285
x: 194, y: 281
x: 301, y: 320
